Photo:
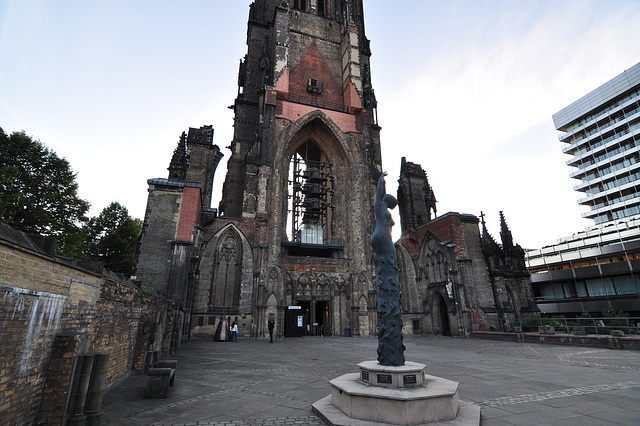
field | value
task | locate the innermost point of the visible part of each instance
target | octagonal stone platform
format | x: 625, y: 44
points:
x: 354, y: 401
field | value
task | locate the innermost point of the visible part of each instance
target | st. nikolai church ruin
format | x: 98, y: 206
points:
x: 289, y: 241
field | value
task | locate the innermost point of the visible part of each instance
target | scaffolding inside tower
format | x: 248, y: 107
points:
x: 310, y: 195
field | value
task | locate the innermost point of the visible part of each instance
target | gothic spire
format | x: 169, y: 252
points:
x: 505, y: 234
x: 178, y: 167
x: 489, y: 245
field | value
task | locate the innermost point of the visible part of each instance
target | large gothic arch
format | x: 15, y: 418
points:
x: 317, y: 129
x: 225, y: 284
x: 291, y: 137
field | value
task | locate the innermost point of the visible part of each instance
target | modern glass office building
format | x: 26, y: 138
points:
x: 598, y: 268
x: 602, y: 133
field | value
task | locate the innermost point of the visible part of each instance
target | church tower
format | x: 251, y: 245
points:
x: 291, y: 239
x: 416, y: 199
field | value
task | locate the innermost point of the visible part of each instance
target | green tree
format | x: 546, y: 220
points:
x: 618, y: 317
x: 39, y: 192
x: 112, y: 237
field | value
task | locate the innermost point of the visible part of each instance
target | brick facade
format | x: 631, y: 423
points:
x: 189, y: 213
x: 54, y: 310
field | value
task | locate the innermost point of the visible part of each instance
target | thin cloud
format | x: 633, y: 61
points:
x: 466, y: 89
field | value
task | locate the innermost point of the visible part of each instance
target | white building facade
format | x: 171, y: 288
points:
x: 598, y: 268
x: 602, y: 133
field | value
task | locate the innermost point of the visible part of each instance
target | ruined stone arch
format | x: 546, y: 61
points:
x: 225, y: 272
x: 331, y: 145
x: 297, y: 132
x: 307, y: 284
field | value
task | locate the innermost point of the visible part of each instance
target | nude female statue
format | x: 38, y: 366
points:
x: 390, y: 347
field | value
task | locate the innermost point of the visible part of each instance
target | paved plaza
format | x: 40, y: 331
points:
x: 253, y: 382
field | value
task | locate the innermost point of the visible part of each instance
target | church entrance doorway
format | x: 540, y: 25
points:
x: 293, y: 321
x: 308, y: 318
x: 441, y: 315
x: 321, y: 325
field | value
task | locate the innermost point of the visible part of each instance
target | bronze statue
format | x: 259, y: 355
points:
x: 390, y: 346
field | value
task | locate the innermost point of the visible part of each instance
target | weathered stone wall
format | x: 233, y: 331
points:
x: 482, y: 299
x: 462, y: 230
x: 203, y: 158
x: 415, y: 196
x: 158, y: 229
x: 480, y: 292
x: 53, y: 311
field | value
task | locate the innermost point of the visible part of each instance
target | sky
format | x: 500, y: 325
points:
x: 466, y: 89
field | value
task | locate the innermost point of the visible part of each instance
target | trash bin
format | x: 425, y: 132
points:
x: 347, y: 332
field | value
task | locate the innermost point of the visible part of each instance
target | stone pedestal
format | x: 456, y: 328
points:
x: 402, y: 395
x: 409, y: 375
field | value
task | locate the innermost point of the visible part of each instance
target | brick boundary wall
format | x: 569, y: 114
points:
x: 58, y: 380
x: 53, y: 311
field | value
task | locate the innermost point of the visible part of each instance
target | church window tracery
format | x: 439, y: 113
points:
x: 225, y: 289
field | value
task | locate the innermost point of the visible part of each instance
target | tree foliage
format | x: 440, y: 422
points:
x: 39, y: 195
x: 112, y: 237
x: 38, y: 190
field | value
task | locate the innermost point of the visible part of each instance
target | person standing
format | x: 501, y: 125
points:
x: 271, y: 325
x: 234, y: 332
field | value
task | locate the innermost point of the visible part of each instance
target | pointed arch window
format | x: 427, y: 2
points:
x: 310, y: 193
x: 225, y: 287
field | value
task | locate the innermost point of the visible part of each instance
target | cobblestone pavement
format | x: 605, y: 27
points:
x: 252, y: 382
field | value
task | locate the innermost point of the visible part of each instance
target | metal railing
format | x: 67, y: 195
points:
x: 330, y: 241
x: 602, y: 325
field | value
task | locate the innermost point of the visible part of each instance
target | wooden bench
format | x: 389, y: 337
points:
x: 160, y: 377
